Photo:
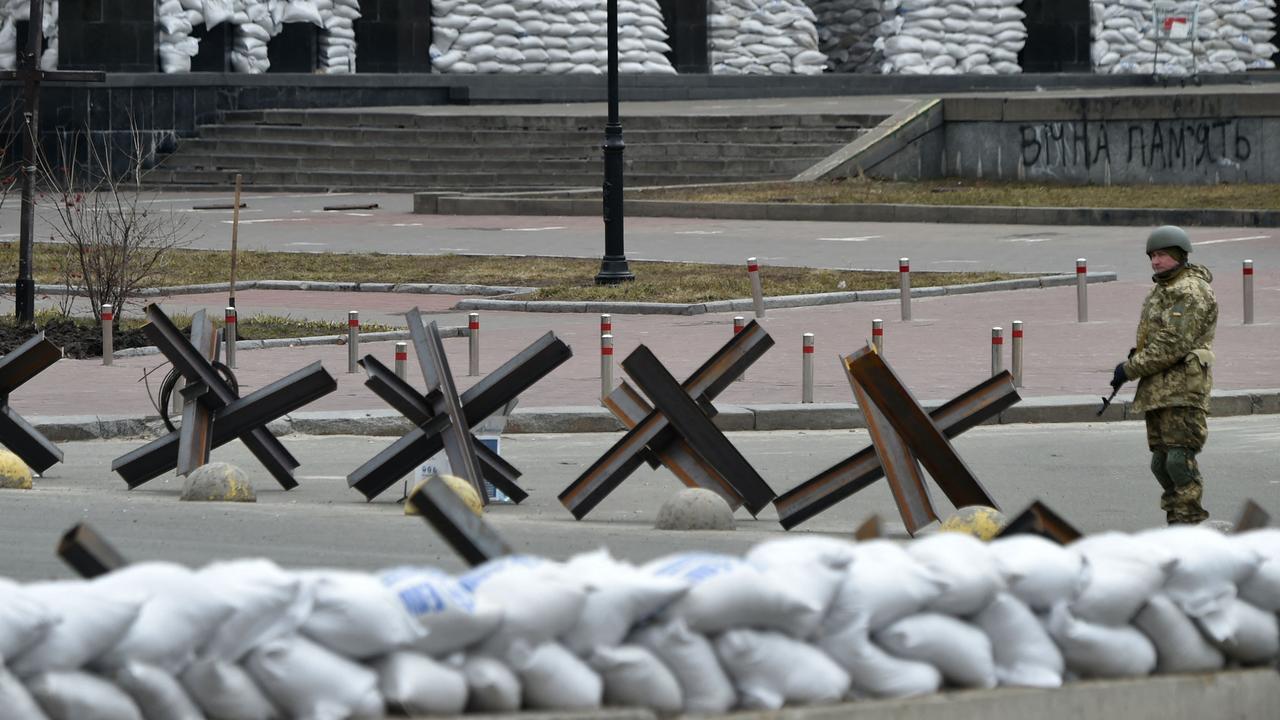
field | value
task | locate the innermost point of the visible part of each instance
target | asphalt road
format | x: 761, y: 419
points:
x: 1094, y: 475
x: 297, y: 222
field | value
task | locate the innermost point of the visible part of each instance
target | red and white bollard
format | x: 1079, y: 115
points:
x: 606, y: 365
x: 757, y: 291
x: 1248, y: 292
x: 877, y: 335
x: 606, y: 324
x: 1017, y: 353
x: 806, y: 369
x: 739, y: 323
x: 402, y: 356
x: 353, y: 339
x: 997, y: 346
x: 108, y: 337
x: 1082, y: 290
x: 904, y: 282
x: 229, y: 334
x: 473, y: 344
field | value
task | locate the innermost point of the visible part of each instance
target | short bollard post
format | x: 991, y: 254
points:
x: 806, y: 380
x: 739, y: 322
x: 473, y: 344
x: 877, y: 335
x: 757, y: 292
x: 108, y: 337
x: 997, y: 345
x: 1082, y: 290
x: 229, y: 334
x: 1017, y: 353
x: 1248, y: 292
x: 606, y: 324
x: 402, y: 356
x: 904, y: 280
x: 606, y: 365
x: 353, y: 339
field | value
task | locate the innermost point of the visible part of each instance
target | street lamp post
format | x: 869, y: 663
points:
x: 613, y: 266
x: 25, y: 287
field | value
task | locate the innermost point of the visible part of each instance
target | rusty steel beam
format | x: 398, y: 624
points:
x: 1251, y: 517
x: 1038, y: 519
x: 918, y: 431
x: 88, y: 553
x: 26, y: 361
x: 17, y: 367
x: 435, y: 371
x: 466, y: 532
x: 855, y: 473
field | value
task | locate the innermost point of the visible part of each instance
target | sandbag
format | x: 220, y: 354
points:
x: 24, y: 620
x: 308, y: 681
x: 705, y: 686
x: 882, y: 584
x: 1024, y: 654
x: 91, y: 622
x: 1207, y: 562
x: 728, y: 593
x: 225, y: 690
x: 356, y: 615
x: 451, y: 615
x: 79, y: 695
x: 1263, y: 588
x: 268, y: 603
x: 960, y: 651
x: 158, y: 695
x: 1123, y: 572
x: 1099, y: 651
x: 492, y: 687
x: 16, y: 702
x: 554, y: 678
x: 813, y: 569
x: 620, y: 595
x: 415, y: 684
x: 966, y: 568
x: 875, y: 673
x: 771, y: 670
x: 540, y: 600
x: 1038, y: 571
x: 1180, y: 647
x: 1255, y: 635
x: 634, y: 677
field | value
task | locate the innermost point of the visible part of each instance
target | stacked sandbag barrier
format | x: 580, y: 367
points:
x: 763, y: 37
x: 555, y: 37
x: 12, y: 11
x: 950, y: 37
x: 798, y: 621
x: 847, y: 31
x: 255, y: 22
x: 1227, y: 36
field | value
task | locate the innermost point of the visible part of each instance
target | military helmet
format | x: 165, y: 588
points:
x: 1168, y: 236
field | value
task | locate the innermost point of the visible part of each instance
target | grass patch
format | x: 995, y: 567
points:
x: 554, y: 278
x: 958, y: 191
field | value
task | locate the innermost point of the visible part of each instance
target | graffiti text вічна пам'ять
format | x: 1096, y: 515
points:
x: 1159, y: 144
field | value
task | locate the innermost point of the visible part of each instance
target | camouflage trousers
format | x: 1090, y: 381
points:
x: 1175, y: 435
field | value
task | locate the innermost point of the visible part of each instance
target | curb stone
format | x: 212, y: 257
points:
x: 583, y: 419
x: 454, y: 331
x: 314, y: 286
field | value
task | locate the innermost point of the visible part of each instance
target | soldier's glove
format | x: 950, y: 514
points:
x: 1119, y: 378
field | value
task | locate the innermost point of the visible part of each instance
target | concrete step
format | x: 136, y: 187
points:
x: 501, y: 138
x: 392, y: 119
x: 586, y: 150
x: 365, y: 181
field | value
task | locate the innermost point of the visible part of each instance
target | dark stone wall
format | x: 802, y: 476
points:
x: 393, y: 36
x: 687, y: 25
x: 1058, y: 36
x: 115, y: 35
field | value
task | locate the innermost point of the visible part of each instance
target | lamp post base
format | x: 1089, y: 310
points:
x: 614, y: 271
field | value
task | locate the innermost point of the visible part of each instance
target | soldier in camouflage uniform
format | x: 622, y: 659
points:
x: 1173, y: 364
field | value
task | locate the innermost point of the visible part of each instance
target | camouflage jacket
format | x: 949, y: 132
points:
x: 1174, y: 360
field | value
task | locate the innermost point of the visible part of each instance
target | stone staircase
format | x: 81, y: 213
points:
x: 317, y: 150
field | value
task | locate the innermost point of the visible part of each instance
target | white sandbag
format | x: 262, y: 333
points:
x: 158, y: 695
x: 24, y: 620
x: 620, y: 595
x: 875, y: 673
x: 960, y: 651
x: 217, y: 12
x: 92, y: 622
x: 302, y: 11
x: 540, y: 600
x: 966, y: 568
x: 308, y: 681
x: 1024, y: 654
x: 884, y: 583
x: 451, y: 614
x: 1038, y: 571
x: 16, y: 702
x: 356, y: 615
x: 492, y: 687
x: 1180, y: 647
x: 1255, y: 636
x: 705, y: 686
x: 1123, y: 572
x: 1206, y: 562
x: 771, y: 670
x: 554, y: 678
x: 634, y: 677
x: 415, y: 684
x: 728, y: 593
x: 225, y: 690
x: 813, y: 569
x: 269, y: 603
x: 180, y: 612
x: 1263, y: 588
x: 79, y: 695
x: 1100, y: 651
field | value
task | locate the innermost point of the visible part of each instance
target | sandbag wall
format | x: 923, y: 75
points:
x: 1229, y: 36
x: 847, y: 32
x: 555, y: 37
x: 12, y: 11
x: 763, y: 37
x: 797, y: 621
x: 256, y: 22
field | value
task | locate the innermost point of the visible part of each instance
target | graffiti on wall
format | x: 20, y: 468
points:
x: 1153, y: 144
